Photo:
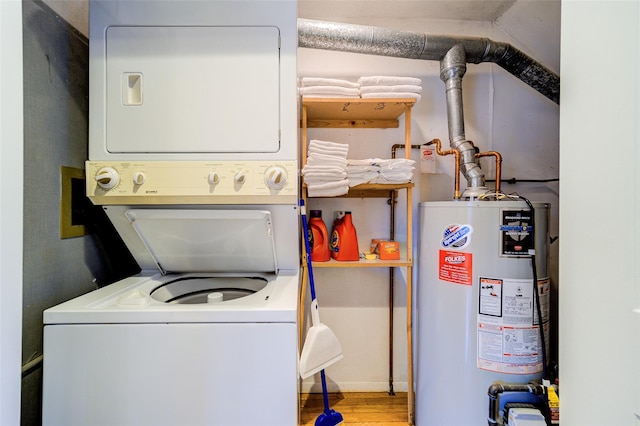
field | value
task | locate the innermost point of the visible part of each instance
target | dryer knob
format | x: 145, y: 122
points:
x: 239, y: 178
x: 275, y: 177
x: 107, y: 178
x: 139, y: 178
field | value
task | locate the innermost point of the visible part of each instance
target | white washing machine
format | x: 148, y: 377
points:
x: 193, y: 156
x: 196, y: 346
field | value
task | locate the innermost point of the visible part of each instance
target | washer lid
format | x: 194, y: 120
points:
x: 207, y: 240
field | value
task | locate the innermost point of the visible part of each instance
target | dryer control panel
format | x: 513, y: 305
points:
x: 192, y: 182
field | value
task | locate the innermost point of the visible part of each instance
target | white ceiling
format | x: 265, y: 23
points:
x: 463, y: 10
x: 76, y: 11
x: 533, y: 24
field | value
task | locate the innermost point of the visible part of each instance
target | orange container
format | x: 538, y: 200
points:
x: 318, y: 238
x: 344, y: 239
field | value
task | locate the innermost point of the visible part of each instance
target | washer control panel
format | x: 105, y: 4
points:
x: 191, y: 182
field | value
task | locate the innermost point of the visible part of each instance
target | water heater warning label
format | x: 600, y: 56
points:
x: 508, y: 327
x: 455, y: 267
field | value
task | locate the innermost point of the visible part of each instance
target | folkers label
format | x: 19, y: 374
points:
x: 455, y: 267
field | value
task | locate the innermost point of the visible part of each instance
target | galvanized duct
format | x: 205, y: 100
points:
x: 453, y: 53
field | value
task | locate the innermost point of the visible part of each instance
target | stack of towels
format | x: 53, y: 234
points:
x: 315, y: 87
x: 361, y: 171
x: 325, y: 173
x: 376, y: 170
x: 390, y: 87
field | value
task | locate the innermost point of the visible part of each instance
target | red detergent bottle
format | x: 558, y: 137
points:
x: 344, y: 239
x: 318, y: 238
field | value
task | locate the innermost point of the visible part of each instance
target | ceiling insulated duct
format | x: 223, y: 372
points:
x: 453, y: 53
x: 405, y: 44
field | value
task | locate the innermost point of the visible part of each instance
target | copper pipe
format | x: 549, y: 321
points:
x: 498, y: 165
x: 439, y: 151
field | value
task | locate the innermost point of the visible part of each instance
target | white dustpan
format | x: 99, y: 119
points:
x: 321, y: 346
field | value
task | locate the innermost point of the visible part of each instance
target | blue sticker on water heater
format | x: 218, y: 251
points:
x: 456, y: 236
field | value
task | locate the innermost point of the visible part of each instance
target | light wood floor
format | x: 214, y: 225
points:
x: 358, y: 408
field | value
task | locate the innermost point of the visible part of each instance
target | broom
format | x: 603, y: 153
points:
x: 319, y: 337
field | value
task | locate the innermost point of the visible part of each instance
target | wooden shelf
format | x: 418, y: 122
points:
x: 349, y: 113
x: 363, y: 263
x: 356, y: 112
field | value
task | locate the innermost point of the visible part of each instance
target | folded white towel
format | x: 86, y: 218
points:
x: 385, y: 89
x: 309, y: 168
x: 382, y: 179
x: 355, y: 181
x: 332, y: 189
x: 351, y: 168
x: 328, y: 144
x: 326, y: 160
x: 363, y: 162
x: 325, y: 149
x: 324, y: 176
x: 320, y: 81
x: 394, y: 162
x: 381, y: 80
x: 404, y: 172
x: 360, y: 178
x: 330, y: 96
x: 329, y: 90
x: 332, y: 152
x: 387, y: 95
x: 371, y: 174
x: 319, y: 181
x: 393, y: 177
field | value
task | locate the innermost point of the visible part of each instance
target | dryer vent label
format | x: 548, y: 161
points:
x: 455, y: 267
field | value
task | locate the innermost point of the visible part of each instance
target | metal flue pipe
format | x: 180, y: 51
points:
x: 453, y: 66
x: 404, y: 44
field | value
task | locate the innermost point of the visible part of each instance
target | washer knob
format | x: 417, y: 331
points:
x: 139, y: 178
x: 213, y: 178
x: 275, y: 177
x: 239, y: 178
x: 107, y: 178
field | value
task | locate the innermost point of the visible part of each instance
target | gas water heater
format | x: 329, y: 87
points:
x: 477, y: 321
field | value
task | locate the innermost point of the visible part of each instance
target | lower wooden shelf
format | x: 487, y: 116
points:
x: 364, y: 263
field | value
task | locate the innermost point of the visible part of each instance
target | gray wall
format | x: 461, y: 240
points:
x: 55, y: 134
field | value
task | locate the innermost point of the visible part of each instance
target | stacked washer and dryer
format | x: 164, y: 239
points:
x: 193, y: 156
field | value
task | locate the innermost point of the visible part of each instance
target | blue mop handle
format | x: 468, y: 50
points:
x: 305, y: 229
x: 325, y: 394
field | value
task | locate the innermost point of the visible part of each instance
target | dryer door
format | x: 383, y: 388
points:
x: 192, y: 89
